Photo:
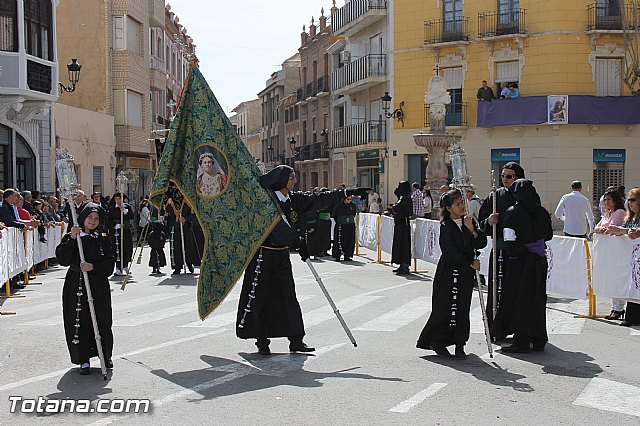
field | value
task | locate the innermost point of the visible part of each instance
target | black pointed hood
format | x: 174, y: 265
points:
x: 276, y: 178
x: 403, y: 189
x: 525, y: 193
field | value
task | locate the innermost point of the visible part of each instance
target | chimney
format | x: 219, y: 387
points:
x: 323, y: 21
x: 312, y: 29
x: 304, y: 37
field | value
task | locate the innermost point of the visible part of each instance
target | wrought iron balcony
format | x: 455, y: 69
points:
x: 368, y: 70
x: 310, y: 91
x: 38, y: 77
x: 366, y: 133
x: 456, y: 115
x: 356, y: 15
x: 323, y: 84
x: 443, y: 31
x: 313, y: 151
x: 299, y: 94
x: 499, y: 23
x: 610, y: 16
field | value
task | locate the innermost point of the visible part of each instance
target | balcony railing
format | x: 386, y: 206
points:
x: 456, y: 115
x: 310, y: 90
x: 313, y: 151
x: 323, y: 84
x: 38, y: 77
x: 368, y: 66
x: 157, y: 63
x: 493, y: 24
x: 299, y: 94
x: 353, y: 10
x: 368, y: 132
x: 442, y: 31
x: 609, y: 16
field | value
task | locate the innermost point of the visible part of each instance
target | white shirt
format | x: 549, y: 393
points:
x: 474, y: 207
x: 575, y: 210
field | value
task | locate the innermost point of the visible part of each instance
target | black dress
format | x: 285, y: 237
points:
x: 522, y: 310
x: 157, y: 238
x: 175, y: 238
x: 402, y: 211
x: 268, y: 305
x: 97, y: 250
x: 449, y: 323
x: 114, y: 219
x: 344, y: 231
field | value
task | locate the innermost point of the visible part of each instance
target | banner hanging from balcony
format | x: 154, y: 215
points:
x: 558, y: 107
x: 205, y: 159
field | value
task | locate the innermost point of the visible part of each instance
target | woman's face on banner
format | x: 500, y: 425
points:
x: 207, y: 165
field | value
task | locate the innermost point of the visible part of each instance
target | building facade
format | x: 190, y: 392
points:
x: 309, y: 155
x: 248, y: 123
x: 575, y: 119
x: 361, y: 71
x: 28, y: 90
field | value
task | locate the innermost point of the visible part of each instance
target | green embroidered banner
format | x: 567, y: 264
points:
x: 206, y: 160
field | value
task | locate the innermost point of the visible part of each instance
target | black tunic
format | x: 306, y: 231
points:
x: 402, y: 211
x: 449, y: 323
x: 97, y: 250
x: 114, y: 219
x: 177, y: 261
x: 157, y: 238
x: 269, y: 307
x: 523, y: 307
x: 344, y: 231
x: 504, y: 200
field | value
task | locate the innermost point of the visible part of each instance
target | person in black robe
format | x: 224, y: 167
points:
x: 527, y: 225
x: 504, y: 199
x: 175, y: 219
x: 121, y: 237
x: 197, y: 238
x: 157, y: 238
x: 268, y: 305
x: 344, y: 231
x: 460, y: 237
x: 99, y: 263
x: 402, y: 211
x: 312, y: 236
x: 323, y: 228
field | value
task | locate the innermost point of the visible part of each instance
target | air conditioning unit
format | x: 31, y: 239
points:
x: 345, y: 57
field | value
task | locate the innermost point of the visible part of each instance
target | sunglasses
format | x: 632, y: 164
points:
x: 631, y: 200
x: 507, y: 176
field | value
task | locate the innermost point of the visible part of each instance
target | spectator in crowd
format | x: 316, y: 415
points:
x: 574, y: 209
x: 504, y: 90
x: 145, y: 219
x: 28, y: 199
x: 630, y: 227
x: 79, y: 200
x: 359, y: 203
x: 416, y: 199
x: 514, y: 93
x: 613, y: 216
x: 372, y: 197
x: 54, y: 210
x: 473, y: 202
x: 37, y: 207
x: 8, y: 210
x: 444, y: 189
x: 376, y: 206
x: 427, y: 201
x: 485, y: 93
x: 23, y: 214
x: 601, y: 203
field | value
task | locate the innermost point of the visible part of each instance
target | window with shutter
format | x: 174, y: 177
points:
x: 608, y: 76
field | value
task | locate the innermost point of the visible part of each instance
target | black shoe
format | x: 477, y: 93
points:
x: 17, y: 286
x: 516, y: 348
x: 337, y: 259
x: 396, y: 270
x: 460, y: 352
x: 264, y: 350
x: 190, y: 267
x: 538, y: 347
x: 108, y: 364
x: 348, y: 259
x: 176, y: 272
x: 626, y: 323
x: 615, y: 315
x: 403, y: 271
x: 85, y: 370
x: 441, y: 350
x: 300, y: 347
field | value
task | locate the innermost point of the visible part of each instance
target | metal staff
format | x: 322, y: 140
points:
x: 330, y: 300
x: 121, y: 181
x: 68, y: 181
x: 494, y: 248
x: 184, y: 253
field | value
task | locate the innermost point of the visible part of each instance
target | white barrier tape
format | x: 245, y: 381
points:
x: 22, y: 251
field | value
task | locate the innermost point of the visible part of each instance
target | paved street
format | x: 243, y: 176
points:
x: 200, y: 373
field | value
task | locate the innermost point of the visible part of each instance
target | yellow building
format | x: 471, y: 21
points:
x: 568, y: 55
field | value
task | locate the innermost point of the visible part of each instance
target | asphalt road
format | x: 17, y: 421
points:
x: 197, y: 372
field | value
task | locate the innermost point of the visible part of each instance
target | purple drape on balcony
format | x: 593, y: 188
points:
x: 583, y: 109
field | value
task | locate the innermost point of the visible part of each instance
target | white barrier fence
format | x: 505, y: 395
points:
x: 615, y: 260
x: 20, y: 250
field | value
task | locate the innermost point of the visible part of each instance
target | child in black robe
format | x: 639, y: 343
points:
x: 460, y: 236
x: 157, y: 238
x: 99, y: 263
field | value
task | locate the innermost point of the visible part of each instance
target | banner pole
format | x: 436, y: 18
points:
x: 379, y: 245
x: 591, y: 296
x: 357, y: 234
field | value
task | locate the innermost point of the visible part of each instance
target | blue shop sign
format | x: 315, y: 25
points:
x: 505, y: 154
x: 609, y: 155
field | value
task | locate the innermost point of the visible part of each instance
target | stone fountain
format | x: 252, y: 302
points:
x: 437, y: 141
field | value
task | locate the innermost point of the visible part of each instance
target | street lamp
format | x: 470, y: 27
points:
x: 294, y: 151
x: 73, y: 68
x: 398, y: 113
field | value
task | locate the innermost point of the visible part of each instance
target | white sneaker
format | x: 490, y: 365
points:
x: 118, y: 272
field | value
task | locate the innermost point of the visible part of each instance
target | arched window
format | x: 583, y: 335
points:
x: 5, y: 156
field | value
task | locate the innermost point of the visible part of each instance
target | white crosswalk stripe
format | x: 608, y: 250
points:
x: 399, y: 317
x: 609, y: 395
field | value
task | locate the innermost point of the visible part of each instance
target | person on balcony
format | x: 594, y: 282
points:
x: 514, y: 93
x: 485, y: 93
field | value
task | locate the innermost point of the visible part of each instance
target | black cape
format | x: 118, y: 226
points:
x: 402, y: 211
x: 449, y: 322
x: 97, y: 250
